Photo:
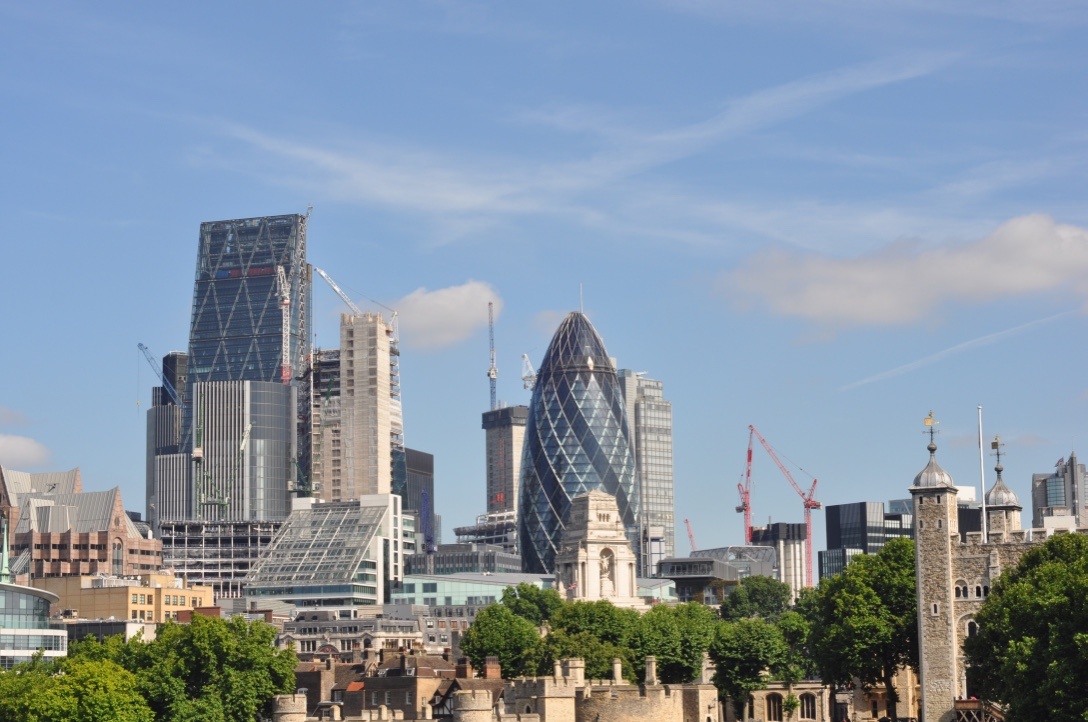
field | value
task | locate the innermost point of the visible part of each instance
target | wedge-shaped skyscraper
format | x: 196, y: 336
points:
x: 576, y: 440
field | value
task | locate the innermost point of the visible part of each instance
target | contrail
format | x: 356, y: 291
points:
x: 952, y: 350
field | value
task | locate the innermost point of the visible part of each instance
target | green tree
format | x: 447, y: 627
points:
x: 602, y: 619
x: 1031, y: 649
x: 677, y: 637
x: 743, y: 652
x: 756, y: 596
x: 598, y: 655
x: 209, y: 669
x: 864, y: 621
x: 499, y: 632
x: 796, y: 664
x: 531, y: 602
x: 72, y: 690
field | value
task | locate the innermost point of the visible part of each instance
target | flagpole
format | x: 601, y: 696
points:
x: 982, y: 473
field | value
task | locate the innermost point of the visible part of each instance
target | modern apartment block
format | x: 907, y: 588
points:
x: 649, y: 416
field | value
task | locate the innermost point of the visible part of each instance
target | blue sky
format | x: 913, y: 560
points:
x: 824, y: 219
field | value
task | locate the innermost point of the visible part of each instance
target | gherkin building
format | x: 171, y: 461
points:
x: 576, y: 440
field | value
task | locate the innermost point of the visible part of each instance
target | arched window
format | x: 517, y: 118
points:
x: 774, y: 707
x: 751, y: 707
x: 957, y: 592
x: 978, y: 591
x: 118, y: 558
x: 985, y: 591
x: 808, y: 706
x: 972, y: 629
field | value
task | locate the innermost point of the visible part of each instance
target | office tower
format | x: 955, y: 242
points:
x: 245, y: 415
x: 505, y: 440
x: 649, y: 416
x: 1058, y: 499
x: 576, y: 440
x: 164, y: 432
x: 862, y: 527
x: 418, y: 497
x: 358, y: 426
x: 788, y: 542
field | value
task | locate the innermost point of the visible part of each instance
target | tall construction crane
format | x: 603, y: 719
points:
x: 158, y: 372
x: 339, y: 292
x: 807, y: 499
x: 745, y: 490
x: 285, y: 313
x: 492, y: 371
x: 528, y: 374
x: 691, y: 535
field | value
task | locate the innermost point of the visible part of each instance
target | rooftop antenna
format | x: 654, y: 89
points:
x: 492, y: 371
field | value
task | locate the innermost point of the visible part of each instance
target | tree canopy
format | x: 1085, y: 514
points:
x: 499, y: 632
x: 72, y: 690
x: 756, y: 596
x: 677, y: 637
x: 863, y: 622
x: 209, y: 669
x: 531, y: 602
x: 743, y: 653
x: 1031, y: 649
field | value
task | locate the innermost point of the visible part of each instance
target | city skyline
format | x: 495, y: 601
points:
x: 823, y: 221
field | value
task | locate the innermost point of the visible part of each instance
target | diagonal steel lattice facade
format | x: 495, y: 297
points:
x: 576, y: 439
x: 236, y: 331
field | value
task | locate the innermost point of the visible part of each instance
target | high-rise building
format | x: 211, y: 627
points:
x: 1060, y: 499
x: 862, y: 527
x: 358, y: 425
x: 576, y: 440
x: 244, y: 442
x: 418, y: 497
x: 505, y: 439
x: 164, y: 435
x: 649, y: 416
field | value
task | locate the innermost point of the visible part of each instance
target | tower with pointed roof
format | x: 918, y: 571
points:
x: 1002, y: 506
x: 935, y: 518
x: 577, y: 439
x: 954, y: 578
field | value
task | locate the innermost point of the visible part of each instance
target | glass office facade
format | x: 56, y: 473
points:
x: 236, y: 332
x: 576, y: 439
x: 25, y: 626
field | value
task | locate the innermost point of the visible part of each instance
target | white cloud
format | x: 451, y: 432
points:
x: 21, y: 451
x: 904, y: 283
x: 445, y: 316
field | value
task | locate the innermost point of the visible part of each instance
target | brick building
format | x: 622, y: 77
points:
x: 57, y: 529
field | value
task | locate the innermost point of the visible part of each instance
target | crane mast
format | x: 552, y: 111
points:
x: 745, y: 490
x: 285, y: 313
x: 807, y: 499
x: 492, y: 371
x: 691, y: 535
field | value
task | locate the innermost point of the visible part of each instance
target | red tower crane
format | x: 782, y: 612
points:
x: 745, y: 490
x: 807, y: 499
x: 691, y: 535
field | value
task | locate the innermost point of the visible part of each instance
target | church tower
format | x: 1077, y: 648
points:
x: 935, y: 532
